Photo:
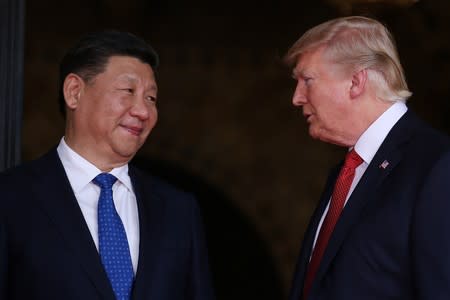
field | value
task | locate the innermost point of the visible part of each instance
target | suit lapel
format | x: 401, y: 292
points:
x: 310, y: 233
x: 56, y: 198
x: 390, y: 152
x: 150, y: 232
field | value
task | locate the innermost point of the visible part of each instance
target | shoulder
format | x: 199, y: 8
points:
x: 14, y: 184
x: 157, y: 187
x: 440, y: 171
x: 162, y: 200
x: 18, y: 184
x: 426, y: 157
x: 426, y: 144
x: 27, y: 170
x: 426, y: 133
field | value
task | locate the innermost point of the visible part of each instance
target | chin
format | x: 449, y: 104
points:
x: 319, y: 135
x: 314, y: 134
x: 332, y: 140
x: 125, y: 151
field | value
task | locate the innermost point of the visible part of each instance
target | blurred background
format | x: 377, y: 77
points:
x: 227, y: 131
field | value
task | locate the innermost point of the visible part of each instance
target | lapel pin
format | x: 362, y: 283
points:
x: 384, y: 164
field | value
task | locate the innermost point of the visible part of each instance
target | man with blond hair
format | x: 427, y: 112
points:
x: 381, y: 229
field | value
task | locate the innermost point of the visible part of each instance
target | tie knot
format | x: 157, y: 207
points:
x: 352, y: 160
x: 104, y: 180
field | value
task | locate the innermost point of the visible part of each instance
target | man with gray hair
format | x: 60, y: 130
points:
x: 381, y: 229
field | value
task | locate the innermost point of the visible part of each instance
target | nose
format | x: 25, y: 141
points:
x: 299, y: 97
x: 141, y: 108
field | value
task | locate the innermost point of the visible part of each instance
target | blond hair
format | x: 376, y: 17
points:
x: 358, y: 43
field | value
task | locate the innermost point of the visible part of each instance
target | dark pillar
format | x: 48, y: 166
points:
x: 12, y: 25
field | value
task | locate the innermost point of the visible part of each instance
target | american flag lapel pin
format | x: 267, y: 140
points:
x: 384, y: 164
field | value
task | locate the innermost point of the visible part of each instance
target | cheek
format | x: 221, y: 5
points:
x: 319, y: 102
x: 121, y: 106
x: 153, y: 114
x: 152, y: 118
x: 117, y: 102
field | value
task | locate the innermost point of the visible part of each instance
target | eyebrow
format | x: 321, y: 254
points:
x: 298, y: 73
x: 128, y: 78
x: 132, y: 79
x: 153, y: 87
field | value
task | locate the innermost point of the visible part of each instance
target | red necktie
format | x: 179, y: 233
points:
x: 341, y: 188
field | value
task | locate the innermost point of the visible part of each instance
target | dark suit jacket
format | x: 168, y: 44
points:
x: 46, y: 250
x: 392, y: 240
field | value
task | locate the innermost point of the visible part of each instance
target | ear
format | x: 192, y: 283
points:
x: 359, y: 80
x: 72, y: 88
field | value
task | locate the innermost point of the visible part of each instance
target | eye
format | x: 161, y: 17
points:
x: 307, y: 81
x: 128, y: 90
x: 151, y: 99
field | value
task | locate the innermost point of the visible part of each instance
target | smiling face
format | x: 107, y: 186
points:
x: 323, y: 91
x: 110, y: 117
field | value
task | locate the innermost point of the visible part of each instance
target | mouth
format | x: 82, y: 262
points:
x: 133, y: 130
x: 308, y: 117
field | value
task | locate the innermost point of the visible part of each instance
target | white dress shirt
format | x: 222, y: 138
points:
x: 81, y: 173
x: 367, y: 146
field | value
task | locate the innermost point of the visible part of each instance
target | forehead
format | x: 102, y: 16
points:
x: 308, y: 62
x: 131, y: 69
x: 128, y: 64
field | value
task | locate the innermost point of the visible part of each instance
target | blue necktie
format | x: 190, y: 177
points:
x: 112, y: 239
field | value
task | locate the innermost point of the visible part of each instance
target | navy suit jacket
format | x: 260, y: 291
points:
x: 47, y: 252
x: 392, y: 240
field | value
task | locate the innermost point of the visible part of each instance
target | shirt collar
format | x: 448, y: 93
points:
x: 370, y: 141
x: 81, y: 172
